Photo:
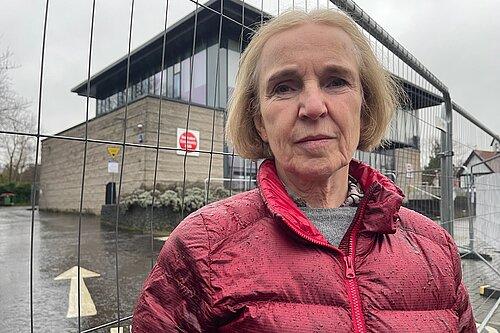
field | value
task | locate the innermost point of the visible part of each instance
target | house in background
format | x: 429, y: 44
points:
x: 479, y: 180
x: 495, y: 144
x: 479, y: 163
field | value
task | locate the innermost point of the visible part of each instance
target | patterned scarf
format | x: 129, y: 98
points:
x: 354, y: 195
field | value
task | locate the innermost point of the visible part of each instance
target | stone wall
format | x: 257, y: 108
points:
x: 162, y: 219
x: 62, y: 157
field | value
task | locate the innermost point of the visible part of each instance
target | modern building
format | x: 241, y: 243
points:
x: 167, y: 100
x: 151, y: 99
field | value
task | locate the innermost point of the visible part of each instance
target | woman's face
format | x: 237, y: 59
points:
x: 310, y: 100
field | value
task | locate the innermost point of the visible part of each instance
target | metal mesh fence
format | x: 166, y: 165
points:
x: 152, y: 149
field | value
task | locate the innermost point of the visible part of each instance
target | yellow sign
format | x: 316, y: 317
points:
x: 113, y: 151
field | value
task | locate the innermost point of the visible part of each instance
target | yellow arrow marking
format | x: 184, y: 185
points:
x: 87, y: 306
x: 115, y: 330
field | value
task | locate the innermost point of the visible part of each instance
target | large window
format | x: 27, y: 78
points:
x: 199, y: 92
x: 382, y: 160
x: 169, y: 92
x: 233, y: 58
x: 144, y: 86
x: 185, y: 79
x: 222, y: 78
x: 113, y: 101
x: 212, y: 76
x: 211, y: 83
x: 98, y: 109
x: 151, y: 84
x: 120, y: 98
x: 405, y: 128
x: 158, y: 82
x: 240, y: 173
x: 177, y: 80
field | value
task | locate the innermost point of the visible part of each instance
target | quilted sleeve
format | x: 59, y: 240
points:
x: 462, y: 306
x: 466, y: 318
x: 176, y: 296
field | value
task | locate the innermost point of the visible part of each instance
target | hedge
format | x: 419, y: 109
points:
x: 21, y: 190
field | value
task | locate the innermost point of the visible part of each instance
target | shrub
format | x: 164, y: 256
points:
x: 218, y: 194
x: 194, y: 198
x: 21, y: 190
x: 170, y: 199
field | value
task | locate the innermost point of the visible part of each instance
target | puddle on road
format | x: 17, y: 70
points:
x: 55, y: 251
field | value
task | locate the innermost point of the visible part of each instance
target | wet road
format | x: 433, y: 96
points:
x: 55, y: 240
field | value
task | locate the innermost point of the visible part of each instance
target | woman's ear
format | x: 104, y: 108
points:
x: 259, y: 126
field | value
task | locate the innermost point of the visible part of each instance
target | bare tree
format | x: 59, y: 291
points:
x: 18, y: 148
x: 15, y: 149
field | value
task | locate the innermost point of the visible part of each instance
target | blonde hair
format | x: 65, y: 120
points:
x: 380, y: 93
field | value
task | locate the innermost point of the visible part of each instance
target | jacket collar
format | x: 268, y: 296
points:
x: 382, y: 199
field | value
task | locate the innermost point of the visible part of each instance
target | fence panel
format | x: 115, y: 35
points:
x: 150, y: 149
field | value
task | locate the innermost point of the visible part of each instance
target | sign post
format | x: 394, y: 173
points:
x: 113, y: 168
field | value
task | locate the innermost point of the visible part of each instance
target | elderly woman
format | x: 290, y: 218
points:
x: 323, y: 244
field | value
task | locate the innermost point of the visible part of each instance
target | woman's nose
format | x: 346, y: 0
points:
x: 312, y: 103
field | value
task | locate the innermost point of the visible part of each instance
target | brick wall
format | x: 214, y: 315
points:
x: 62, y: 159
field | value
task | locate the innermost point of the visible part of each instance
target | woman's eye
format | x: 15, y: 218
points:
x: 337, y: 82
x: 282, y: 89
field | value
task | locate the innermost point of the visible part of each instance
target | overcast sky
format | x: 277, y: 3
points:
x: 457, y: 40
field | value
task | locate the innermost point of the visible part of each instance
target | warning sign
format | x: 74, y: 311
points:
x: 188, y: 141
x: 113, y: 151
x: 409, y: 170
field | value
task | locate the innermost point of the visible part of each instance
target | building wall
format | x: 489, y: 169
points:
x: 62, y: 159
x: 486, y: 226
x: 408, y: 172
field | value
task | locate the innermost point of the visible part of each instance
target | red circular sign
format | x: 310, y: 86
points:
x: 187, y: 141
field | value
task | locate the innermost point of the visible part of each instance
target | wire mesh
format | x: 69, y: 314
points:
x: 155, y: 151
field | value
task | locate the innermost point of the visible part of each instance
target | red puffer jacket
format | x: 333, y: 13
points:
x: 255, y: 263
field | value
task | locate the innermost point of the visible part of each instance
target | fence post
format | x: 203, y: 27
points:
x: 471, y: 191
x: 447, y: 204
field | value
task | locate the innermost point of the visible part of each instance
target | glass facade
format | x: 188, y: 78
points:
x: 241, y: 173
x: 199, y: 77
x: 204, y: 86
x: 382, y: 160
x: 405, y: 128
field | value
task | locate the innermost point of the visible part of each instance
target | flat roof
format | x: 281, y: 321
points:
x: 146, y: 59
x: 419, y: 98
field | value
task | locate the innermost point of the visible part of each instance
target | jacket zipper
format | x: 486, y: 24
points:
x: 354, y: 299
x: 350, y: 272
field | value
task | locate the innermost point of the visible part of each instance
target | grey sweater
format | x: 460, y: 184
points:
x: 331, y: 222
